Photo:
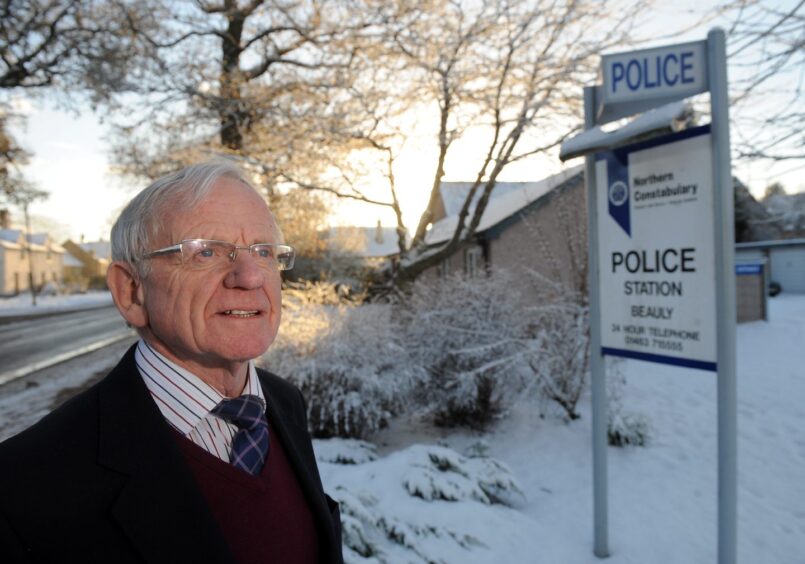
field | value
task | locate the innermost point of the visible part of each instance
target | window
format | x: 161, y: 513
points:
x: 472, y: 261
x: 444, y: 269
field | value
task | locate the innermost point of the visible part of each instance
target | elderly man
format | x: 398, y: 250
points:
x: 185, y: 452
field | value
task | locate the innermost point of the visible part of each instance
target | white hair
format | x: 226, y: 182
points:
x: 142, y: 218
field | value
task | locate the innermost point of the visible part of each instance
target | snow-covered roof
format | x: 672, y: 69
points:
x: 101, y: 249
x: 502, y: 206
x: 11, y: 235
x: 454, y: 193
x: 15, y: 238
x: 368, y: 242
x: 39, y: 238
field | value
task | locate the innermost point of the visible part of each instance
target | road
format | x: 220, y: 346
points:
x: 30, y: 345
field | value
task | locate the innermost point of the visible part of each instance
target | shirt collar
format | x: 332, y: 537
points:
x: 182, y: 397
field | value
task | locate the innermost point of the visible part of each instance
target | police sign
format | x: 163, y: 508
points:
x: 672, y: 71
x: 657, y: 253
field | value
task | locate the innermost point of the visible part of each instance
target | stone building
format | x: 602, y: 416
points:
x: 19, y: 254
x: 538, y: 226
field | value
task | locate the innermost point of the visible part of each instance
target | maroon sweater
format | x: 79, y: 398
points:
x: 263, y: 518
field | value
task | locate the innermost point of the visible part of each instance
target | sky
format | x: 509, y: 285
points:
x: 71, y: 161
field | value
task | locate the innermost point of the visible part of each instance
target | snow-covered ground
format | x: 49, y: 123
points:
x: 662, y: 497
x: 21, y: 304
x: 428, y: 488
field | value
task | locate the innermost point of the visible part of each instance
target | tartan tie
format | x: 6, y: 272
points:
x: 250, y: 443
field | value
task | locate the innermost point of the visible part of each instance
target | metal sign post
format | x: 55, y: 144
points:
x: 597, y: 371
x: 670, y: 291
x: 725, y: 298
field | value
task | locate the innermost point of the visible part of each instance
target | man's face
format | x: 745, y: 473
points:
x: 218, y: 317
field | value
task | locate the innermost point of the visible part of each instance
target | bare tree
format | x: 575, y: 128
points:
x: 766, y: 51
x: 513, y: 69
x: 315, y: 94
x: 230, y: 76
x: 72, y: 44
x: 510, y: 69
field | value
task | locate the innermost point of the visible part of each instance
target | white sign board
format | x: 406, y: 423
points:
x: 669, y: 72
x: 657, y: 250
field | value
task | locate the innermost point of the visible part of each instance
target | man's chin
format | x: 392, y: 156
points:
x: 244, y: 350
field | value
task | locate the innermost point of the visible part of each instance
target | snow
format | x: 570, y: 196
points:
x: 662, y: 497
x: 21, y: 304
x: 596, y: 139
x: 455, y: 193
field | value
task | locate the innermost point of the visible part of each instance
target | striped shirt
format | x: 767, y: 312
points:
x: 186, y: 401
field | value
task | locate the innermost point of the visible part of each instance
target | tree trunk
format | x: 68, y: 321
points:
x: 231, y: 114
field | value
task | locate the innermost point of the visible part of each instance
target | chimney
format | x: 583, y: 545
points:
x: 379, y: 233
x: 5, y: 219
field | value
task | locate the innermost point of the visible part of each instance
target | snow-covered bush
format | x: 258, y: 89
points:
x: 349, y: 363
x: 422, y: 504
x: 558, y: 350
x: 468, y: 334
x: 485, y: 340
x: 623, y: 428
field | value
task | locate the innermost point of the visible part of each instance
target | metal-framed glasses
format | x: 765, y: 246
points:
x: 207, y: 253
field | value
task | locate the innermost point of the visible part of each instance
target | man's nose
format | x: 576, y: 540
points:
x: 244, y: 272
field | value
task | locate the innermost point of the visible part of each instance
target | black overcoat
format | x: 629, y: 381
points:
x: 101, y: 479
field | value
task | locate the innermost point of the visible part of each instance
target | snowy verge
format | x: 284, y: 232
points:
x: 21, y: 304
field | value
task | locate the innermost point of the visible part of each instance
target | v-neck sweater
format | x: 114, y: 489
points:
x: 263, y: 518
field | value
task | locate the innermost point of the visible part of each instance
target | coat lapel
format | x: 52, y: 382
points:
x: 160, y: 507
x: 292, y: 437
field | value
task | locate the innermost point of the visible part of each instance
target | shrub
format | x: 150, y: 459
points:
x: 412, y: 505
x: 467, y: 334
x: 623, y: 428
x: 558, y: 353
x: 349, y: 364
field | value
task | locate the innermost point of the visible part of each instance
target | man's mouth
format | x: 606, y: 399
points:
x: 241, y: 312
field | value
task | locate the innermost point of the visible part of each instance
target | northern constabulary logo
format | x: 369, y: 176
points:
x: 618, y: 188
x: 618, y: 193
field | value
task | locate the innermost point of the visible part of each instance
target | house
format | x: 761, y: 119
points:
x: 86, y: 263
x: 542, y: 226
x: 351, y: 250
x: 537, y: 225
x: 21, y: 255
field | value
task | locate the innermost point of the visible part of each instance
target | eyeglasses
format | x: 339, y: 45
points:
x: 206, y: 253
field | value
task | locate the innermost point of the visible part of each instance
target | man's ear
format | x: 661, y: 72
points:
x: 127, y: 291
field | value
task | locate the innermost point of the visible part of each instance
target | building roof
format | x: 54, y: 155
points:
x: 454, y: 193
x: 11, y: 235
x: 502, y: 205
x: 362, y: 241
x: 101, y: 249
x: 15, y: 239
x: 770, y: 244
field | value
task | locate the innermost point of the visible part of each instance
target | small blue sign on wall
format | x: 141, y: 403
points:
x: 748, y: 268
